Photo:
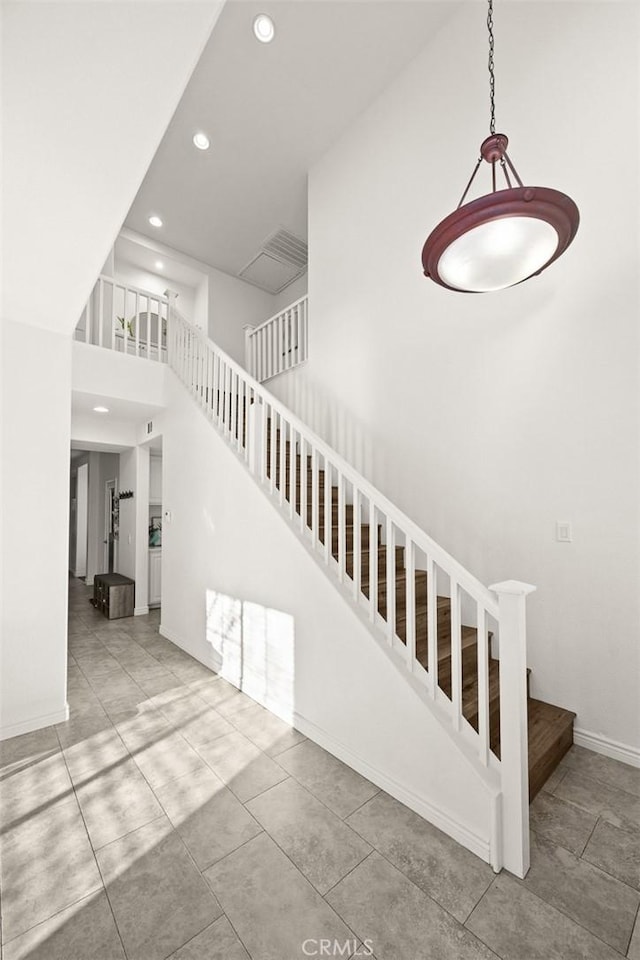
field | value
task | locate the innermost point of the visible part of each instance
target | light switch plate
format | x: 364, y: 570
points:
x: 563, y: 531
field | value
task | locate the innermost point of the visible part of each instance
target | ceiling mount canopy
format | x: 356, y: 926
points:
x: 505, y: 236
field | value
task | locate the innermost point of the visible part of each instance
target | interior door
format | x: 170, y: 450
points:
x: 110, y: 525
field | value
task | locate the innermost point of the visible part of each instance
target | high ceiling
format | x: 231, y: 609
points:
x: 270, y: 110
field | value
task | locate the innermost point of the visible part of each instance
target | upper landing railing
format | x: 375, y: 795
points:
x: 126, y: 319
x: 278, y: 344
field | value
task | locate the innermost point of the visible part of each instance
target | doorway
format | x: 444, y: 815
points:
x: 81, y: 521
x: 111, y: 510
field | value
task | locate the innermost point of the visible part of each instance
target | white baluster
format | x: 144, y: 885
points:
x: 315, y: 498
x: 256, y: 421
x: 248, y: 351
x: 227, y: 404
x: 272, y: 451
x: 456, y: 654
x: 356, y: 544
x: 100, y: 309
x: 342, y: 529
x: 373, y: 561
x: 391, y: 581
x: 261, y: 454
x: 305, y: 329
x: 283, y: 449
x: 125, y: 326
x: 410, y: 601
x: 303, y: 483
x: 432, y: 625
x: 148, y: 325
x: 292, y: 473
x: 137, y: 323
x: 113, y: 315
x: 234, y: 407
x: 287, y: 340
x: 206, y: 393
x: 216, y: 389
x: 211, y: 396
x: 87, y: 319
x: 328, y: 511
x: 483, y: 684
x: 514, y: 764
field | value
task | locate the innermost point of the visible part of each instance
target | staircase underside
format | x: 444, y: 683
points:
x: 550, y: 727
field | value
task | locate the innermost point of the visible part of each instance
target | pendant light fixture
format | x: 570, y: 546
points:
x: 506, y: 236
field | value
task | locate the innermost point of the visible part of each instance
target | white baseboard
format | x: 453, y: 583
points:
x: 606, y: 746
x: 35, y: 723
x: 458, y: 831
x: 210, y: 660
x: 140, y: 611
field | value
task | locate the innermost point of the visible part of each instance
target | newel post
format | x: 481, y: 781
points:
x: 248, y: 330
x: 514, y: 749
x: 171, y: 296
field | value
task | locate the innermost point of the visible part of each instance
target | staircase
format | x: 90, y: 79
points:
x: 550, y: 728
x: 459, y: 645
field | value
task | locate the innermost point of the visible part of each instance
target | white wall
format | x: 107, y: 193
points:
x: 156, y: 283
x: 290, y: 294
x: 488, y: 418
x: 226, y: 548
x: 133, y: 541
x: 36, y: 385
x: 110, y: 374
x: 127, y: 525
x: 232, y: 304
x: 72, y: 71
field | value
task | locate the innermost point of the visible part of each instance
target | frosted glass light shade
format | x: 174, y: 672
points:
x: 500, y: 239
x: 498, y: 254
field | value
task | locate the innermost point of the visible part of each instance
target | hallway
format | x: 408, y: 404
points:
x: 173, y: 817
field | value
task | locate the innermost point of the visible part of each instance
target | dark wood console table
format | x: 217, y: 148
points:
x: 113, y: 595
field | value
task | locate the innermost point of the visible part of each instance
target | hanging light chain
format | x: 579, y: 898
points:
x: 492, y: 78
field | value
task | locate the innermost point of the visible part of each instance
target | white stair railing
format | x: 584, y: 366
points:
x: 356, y: 533
x: 126, y: 319
x: 278, y: 344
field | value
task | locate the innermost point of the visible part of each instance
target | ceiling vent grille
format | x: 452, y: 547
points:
x: 281, y: 259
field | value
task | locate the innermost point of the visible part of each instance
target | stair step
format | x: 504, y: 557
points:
x: 550, y: 736
x: 550, y: 727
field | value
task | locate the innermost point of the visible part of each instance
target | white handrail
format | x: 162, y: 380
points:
x: 308, y: 478
x: 279, y: 313
x: 444, y: 560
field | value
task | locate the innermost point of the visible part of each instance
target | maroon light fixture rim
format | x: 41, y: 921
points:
x: 539, y: 203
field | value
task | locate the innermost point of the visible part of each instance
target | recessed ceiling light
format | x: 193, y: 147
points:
x: 159, y: 264
x: 101, y: 409
x: 201, y: 141
x: 264, y: 28
x: 155, y: 221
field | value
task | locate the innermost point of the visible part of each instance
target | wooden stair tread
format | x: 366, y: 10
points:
x: 550, y: 736
x: 550, y: 727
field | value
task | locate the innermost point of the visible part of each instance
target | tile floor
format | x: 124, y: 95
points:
x: 173, y: 817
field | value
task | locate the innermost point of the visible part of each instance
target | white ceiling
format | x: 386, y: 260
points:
x: 270, y: 111
x: 145, y: 258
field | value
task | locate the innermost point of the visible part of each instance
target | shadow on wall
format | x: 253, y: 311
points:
x: 256, y: 648
x: 350, y: 437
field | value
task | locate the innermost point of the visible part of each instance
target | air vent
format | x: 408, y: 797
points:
x: 282, y: 258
